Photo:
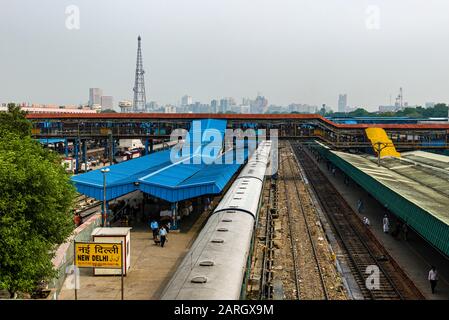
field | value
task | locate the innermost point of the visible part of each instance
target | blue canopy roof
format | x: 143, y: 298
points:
x: 158, y: 175
x: 51, y: 140
x: 121, y: 177
x: 188, y: 180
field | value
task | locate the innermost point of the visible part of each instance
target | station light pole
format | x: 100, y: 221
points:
x: 105, y: 217
x: 379, y: 146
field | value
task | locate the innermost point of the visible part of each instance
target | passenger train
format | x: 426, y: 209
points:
x: 215, y: 266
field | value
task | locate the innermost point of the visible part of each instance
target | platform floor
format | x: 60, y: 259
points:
x: 151, y: 266
x: 415, y: 255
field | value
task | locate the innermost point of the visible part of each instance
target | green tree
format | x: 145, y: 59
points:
x: 14, y: 121
x: 36, y: 197
x: 359, y: 112
x: 440, y: 110
x: 108, y: 111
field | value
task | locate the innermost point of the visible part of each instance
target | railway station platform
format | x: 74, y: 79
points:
x: 151, y: 266
x: 415, y: 255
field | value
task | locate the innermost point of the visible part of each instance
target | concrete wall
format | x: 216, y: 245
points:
x: 64, y: 254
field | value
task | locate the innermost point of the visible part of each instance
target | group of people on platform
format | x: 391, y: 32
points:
x: 401, y: 227
x: 159, y: 232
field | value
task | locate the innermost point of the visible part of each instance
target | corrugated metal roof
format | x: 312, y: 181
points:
x: 121, y: 177
x: 414, y: 187
x: 183, y: 181
x: 51, y: 140
x: 158, y: 175
x: 426, y: 186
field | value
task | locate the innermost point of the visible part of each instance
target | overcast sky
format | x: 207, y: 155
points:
x: 289, y: 51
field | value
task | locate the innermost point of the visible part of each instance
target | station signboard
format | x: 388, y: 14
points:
x: 98, y: 255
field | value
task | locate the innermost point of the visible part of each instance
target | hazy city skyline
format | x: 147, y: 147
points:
x: 289, y: 51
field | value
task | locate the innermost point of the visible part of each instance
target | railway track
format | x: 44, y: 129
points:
x: 308, y: 263
x: 266, y: 288
x: 296, y: 275
x: 364, y: 253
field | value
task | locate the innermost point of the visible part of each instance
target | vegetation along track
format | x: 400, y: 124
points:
x: 363, y: 251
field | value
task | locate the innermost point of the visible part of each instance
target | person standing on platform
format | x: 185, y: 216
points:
x: 433, y: 278
x: 405, y: 231
x: 167, y: 226
x: 154, y: 227
x: 77, y: 219
x: 162, y: 235
x: 386, y: 224
x: 359, y: 206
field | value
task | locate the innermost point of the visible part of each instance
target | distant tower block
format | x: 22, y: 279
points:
x: 139, y: 84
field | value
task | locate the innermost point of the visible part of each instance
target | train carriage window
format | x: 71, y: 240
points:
x: 217, y: 241
x: 223, y: 229
x: 227, y: 220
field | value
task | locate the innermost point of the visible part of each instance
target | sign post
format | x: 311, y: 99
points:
x: 98, y: 255
x: 122, y: 273
x: 74, y: 269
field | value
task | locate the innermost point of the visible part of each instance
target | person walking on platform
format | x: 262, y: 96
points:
x: 433, y: 278
x: 405, y: 231
x: 366, y: 221
x: 386, y: 224
x: 163, y: 236
x: 397, y: 230
x: 359, y: 206
x: 154, y: 227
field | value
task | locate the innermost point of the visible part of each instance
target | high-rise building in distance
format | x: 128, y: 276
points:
x: 342, y: 102
x: 107, y: 102
x: 214, y: 106
x: 95, y: 96
x: 429, y: 104
x: 186, y: 100
x: 259, y: 105
x: 226, y: 104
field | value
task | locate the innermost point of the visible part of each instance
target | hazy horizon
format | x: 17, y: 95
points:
x: 289, y: 51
